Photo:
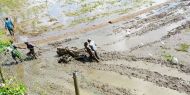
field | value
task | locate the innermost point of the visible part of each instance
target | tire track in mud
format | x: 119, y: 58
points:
x: 103, y: 88
x: 158, y: 23
x: 106, y: 56
x: 153, y: 26
x: 171, y: 33
x: 154, y: 21
x: 150, y: 27
x: 149, y: 24
x: 154, y: 77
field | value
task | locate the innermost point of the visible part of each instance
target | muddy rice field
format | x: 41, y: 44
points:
x: 142, y: 53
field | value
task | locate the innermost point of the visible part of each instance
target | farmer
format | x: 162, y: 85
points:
x: 14, y: 52
x: 93, y: 47
x: 90, y: 52
x: 31, y: 52
x: 9, y: 26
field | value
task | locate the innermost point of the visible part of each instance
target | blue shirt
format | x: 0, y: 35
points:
x: 9, y: 24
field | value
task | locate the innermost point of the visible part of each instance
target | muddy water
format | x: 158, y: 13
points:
x: 79, y: 11
x: 71, y: 13
x: 56, y: 19
x: 138, y: 86
x: 151, y: 67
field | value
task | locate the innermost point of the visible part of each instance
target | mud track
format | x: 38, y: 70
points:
x: 169, y: 35
x: 105, y: 89
x: 160, y: 80
x: 122, y: 55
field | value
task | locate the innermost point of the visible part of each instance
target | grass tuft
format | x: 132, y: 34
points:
x: 183, y: 47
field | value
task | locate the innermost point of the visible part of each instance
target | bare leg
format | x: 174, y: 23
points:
x: 96, y: 55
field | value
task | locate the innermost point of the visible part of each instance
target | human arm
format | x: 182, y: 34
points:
x: 21, y: 48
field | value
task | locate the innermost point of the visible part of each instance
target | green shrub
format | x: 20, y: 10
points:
x: 13, y: 88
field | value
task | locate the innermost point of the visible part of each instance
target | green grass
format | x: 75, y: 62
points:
x: 9, y: 5
x: 2, y: 32
x: 183, y: 47
x: 4, y: 41
x: 87, y: 7
x: 12, y: 87
x: 82, y: 20
x: 87, y: 19
x: 167, y: 57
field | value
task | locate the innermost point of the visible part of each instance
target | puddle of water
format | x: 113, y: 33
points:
x: 58, y: 8
x: 138, y: 86
x: 55, y: 9
x: 172, y: 5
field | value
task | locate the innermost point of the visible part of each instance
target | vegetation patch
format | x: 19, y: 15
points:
x: 183, y: 47
x: 4, y: 41
x: 87, y: 19
x: 167, y: 57
x: 8, y: 5
x: 12, y: 87
x: 87, y: 7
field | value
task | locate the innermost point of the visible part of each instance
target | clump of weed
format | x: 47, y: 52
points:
x: 12, y: 87
x: 167, y: 57
x: 183, y: 47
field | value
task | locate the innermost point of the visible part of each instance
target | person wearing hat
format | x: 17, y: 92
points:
x: 93, y: 47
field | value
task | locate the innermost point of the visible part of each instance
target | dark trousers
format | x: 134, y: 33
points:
x: 32, y: 53
x: 11, y: 31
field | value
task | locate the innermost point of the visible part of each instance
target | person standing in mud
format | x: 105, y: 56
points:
x: 14, y: 52
x: 31, y: 50
x: 93, y: 47
x: 9, y: 26
x: 89, y: 51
